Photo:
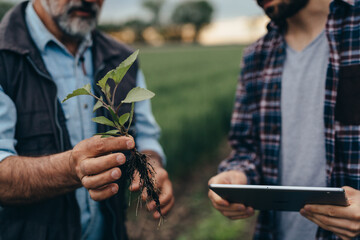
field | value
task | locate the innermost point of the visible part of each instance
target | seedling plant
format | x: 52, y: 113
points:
x: 137, y: 162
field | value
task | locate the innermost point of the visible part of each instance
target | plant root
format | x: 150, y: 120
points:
x: 138, y: 162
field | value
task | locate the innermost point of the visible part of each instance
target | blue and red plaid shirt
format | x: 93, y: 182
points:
x: 256, y: 121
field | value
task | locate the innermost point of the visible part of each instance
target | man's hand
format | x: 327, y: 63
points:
x: 162, y: 182
x: 343, y: 221
x: 97, y: 167
x: 234, y: 210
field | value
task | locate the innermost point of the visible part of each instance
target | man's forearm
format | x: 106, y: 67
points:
x: 25, y: 180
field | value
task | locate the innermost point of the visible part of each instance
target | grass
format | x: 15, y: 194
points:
x: 195, y: 88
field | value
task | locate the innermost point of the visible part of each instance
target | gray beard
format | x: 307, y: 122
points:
x: 75, y: 27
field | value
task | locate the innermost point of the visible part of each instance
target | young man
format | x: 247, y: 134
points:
x: 49, y: 175
x: 296, y: 119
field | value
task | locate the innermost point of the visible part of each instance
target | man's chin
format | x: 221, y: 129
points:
x: 79, y: 28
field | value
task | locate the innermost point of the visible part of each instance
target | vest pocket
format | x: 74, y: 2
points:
x: 347, y: 110
x: 34, y: 134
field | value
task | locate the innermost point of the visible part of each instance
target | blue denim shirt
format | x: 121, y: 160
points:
x: 69, y: 73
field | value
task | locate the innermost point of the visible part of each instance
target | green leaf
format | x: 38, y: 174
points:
x: 115, y: 132
x: 122, y: 69
x: 111, y: 133
x: 131, y: 116
x: 138, y: 94
x: 106, y: 136
x: 118, y: 73
x: 107, y: 91
x: 87, y: 87
x: 86, y: 90
x: 124, y: 118
x: 103, y: 120
x: 98, y: 105
x: 103, y: 81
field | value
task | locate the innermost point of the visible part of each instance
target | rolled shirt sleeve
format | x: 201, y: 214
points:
x: 7, y: 126
x: 147, y: 130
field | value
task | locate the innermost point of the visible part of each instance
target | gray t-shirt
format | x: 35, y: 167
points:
x: 303, y: 161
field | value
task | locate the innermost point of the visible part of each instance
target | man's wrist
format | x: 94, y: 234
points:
x: 72, y: 168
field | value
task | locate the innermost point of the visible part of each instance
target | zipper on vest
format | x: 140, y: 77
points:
x: 55, y: 105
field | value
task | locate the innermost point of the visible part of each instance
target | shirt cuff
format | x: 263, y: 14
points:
x: 4, y: 154
x: 149, y: 143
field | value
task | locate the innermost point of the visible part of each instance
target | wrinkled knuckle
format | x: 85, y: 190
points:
x: 227, y: 214
x: 355, y: 227
x: 357, y: 216
x: 331, y: 212
x: 163, y: 173
x: 99, y: 145
x: 351, y: 234
x: 94, y: 196
x: 84, y: 168
x: 85, y: 182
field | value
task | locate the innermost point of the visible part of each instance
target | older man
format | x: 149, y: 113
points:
x: 51, y: 168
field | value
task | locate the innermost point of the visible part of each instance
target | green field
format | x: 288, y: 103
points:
x: 195, y: 89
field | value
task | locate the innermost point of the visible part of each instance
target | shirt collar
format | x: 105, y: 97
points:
x: 41, y: 34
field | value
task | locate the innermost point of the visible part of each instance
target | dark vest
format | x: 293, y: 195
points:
x: 41, y: 130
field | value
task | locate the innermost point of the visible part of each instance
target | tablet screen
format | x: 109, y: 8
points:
x: 281, y: 198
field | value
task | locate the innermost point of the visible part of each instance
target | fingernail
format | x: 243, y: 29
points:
x: 114, y: 189
x: 130, y: 144
x: 115, y: 174
x: 157, y: 215
x: 241, y: 208
x: 121, y: 159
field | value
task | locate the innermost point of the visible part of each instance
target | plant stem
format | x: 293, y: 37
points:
x: 99, y: 99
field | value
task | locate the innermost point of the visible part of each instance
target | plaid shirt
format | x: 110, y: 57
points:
x: 256, y: 121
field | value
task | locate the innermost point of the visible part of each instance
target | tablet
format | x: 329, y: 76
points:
x: 281, y: 198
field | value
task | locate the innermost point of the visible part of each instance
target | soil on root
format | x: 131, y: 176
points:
x: 139, y: 163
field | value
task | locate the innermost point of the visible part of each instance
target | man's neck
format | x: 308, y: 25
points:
x: 306, y: 25
x: 70, y: 43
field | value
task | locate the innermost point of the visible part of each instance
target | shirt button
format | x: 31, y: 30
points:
x: 67, y: 116
x: 275, y: 87
x: 85, y: 106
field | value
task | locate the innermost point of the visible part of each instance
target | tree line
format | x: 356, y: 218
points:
x: 197, y: 13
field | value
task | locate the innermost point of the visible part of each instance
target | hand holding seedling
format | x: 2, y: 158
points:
x: 98, y: 171
x: 97, y: 167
